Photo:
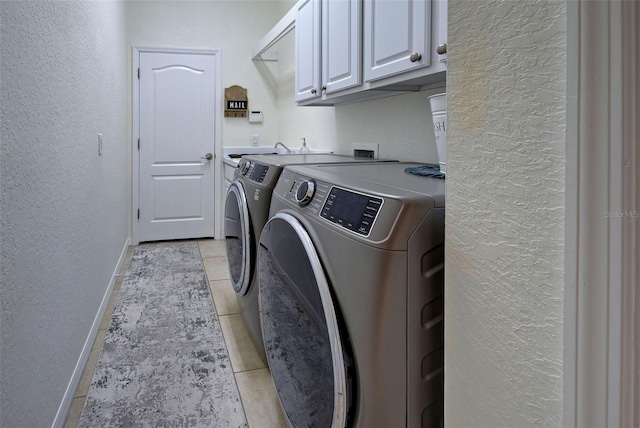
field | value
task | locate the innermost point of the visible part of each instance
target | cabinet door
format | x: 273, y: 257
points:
x: 397, y: 36
x: 439, y: 13
x: 341, y: 44
x: 307, y: 47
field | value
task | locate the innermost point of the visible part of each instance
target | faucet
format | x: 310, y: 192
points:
x: 282, y: 144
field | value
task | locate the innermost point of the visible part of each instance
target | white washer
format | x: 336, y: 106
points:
x: 351, y: 267
x: 246, y: 211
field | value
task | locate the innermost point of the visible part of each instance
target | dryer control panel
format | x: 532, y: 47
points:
x: 347, y: 208
x: 379, y: 204
x: 351, y: 210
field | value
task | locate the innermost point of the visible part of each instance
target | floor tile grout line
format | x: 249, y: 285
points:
x: 252, y: 370
x: 211, y: 288
x: 224, y: 337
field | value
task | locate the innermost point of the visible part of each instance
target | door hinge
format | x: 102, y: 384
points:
x: 138, y: 213
x: 138, y: 143
x: 138, y: 73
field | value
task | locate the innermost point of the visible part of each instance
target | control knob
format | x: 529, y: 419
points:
x: 305, y: 192
x: 244, y: 169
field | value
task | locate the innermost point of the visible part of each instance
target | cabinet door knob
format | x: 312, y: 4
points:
x: 442, y: 49
x: 324, y: 88
x: 313, y: 91
x: 415, y: 57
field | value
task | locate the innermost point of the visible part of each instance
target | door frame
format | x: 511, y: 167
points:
x: 135, y: 134
x: 602, y: 304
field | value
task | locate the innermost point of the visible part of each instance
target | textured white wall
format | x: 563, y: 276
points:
x: 505, y: 213
x: 234, y: 27
x: 64, y: 209
x: 401, y: 125
x: 316, y: 124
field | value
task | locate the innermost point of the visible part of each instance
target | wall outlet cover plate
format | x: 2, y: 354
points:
x: 365, y: 150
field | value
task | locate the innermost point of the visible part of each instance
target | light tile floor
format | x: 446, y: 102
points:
x: 256, y: 387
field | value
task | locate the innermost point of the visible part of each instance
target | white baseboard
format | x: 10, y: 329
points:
x: 67, y: 399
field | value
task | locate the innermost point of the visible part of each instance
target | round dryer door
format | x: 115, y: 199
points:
x: 238, y: 237
x: 300, y: 328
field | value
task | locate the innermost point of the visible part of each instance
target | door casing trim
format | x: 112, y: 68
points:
x: 601, y: 337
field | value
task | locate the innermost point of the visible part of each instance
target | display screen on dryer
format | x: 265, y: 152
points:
x: 354, y: 211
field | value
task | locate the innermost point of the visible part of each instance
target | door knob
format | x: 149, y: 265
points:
x: 415, y: 57
x: 442, y: 49
x: 208, y: 156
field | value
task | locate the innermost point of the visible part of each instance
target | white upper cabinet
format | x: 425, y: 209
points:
x: 328, y: 47
x: 341, y: 44
x: 397, y: 37
x: 307, y: 48
x: 354, y: 50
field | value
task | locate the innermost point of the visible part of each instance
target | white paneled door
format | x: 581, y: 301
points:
x: 176, y: 168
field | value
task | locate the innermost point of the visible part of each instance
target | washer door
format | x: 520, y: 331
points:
x: 238, y: 238
x: 300, y: 327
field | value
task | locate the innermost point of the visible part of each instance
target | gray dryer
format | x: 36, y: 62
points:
x: 351, y: 266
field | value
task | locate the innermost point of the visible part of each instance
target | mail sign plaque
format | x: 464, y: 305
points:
x: 236, y: 102
x: 236, y: 105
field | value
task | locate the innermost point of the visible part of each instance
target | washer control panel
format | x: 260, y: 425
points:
x: 257, y: 172
x: 351, y: 210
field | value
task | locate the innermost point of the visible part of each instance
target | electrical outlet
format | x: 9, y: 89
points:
x: 365, y: 150
x: 99, y: 144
